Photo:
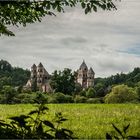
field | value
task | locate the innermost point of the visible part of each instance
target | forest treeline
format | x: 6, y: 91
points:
x: 13, y: 76
x: 117, y: 88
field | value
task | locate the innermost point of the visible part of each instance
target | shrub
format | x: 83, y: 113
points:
x: 78, y: 88
x: 8, y: 93
x: 2, y: 99
x: 80, y: 99
x: 25, y: 98
x: 121, y: 94
x: 41, y: 97
x: 68, y: 99
x: 51, y: 99
x: 82, y: 93
x: 94, y: 100
x: 90, y: 93
x: 60, y: 97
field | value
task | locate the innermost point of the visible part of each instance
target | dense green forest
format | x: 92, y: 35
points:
x: 117, y: 88
x: 13, y: 76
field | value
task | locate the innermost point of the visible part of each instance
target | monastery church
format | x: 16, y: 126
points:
x: 41, y: 78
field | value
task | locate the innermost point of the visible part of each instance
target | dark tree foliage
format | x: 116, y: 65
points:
x: 5, y: 66
x: 130, y: 79
x: 7, y: 95
x: 21, y: 12
x: 19, y: 76
x: 63, y: 81
x: 12, y: 76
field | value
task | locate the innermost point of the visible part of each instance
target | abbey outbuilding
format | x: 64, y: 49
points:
x: 41, y: 78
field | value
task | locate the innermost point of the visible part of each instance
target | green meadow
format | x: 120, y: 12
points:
x: 86, y: 120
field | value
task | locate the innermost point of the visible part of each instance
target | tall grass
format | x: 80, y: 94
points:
x: 86, y: 120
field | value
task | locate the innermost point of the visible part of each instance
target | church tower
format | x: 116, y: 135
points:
x: 33, y: 73
x: 85, y: 77
x: 39, y: 79
x: 90, y: 78
x: 40, y: 74
x: 82, y: 75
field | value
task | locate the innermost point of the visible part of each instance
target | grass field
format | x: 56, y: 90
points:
x: 86, y: 120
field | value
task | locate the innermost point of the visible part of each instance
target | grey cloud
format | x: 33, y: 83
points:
x: 73, y: 40
x: 104, y: 39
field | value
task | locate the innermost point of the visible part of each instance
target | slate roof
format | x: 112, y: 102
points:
x: 91, y: 71
x: 40, y: 65
x: 33, y: 66
x: 83, y: 66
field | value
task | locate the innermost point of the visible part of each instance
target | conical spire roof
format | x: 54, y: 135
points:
x: 83, y: 66
x: 91, y: 71
x: 40, y: 65
x: 33, y: 66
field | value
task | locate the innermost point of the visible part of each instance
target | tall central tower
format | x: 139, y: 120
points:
x: 85, y: 77
x: 42, y: 75
x: 33, y: 73
x: 39, y: 79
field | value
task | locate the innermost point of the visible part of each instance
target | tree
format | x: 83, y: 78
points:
x: 100, y: 89
x: 12, y: 76
x: 30, y: 11
x: 121, y: 94
x: 80, y: 99
x: 91, y: 93
x: 138, y: 90
x: 8, y: 94
x: 5, y: 66
x: 63, y: 81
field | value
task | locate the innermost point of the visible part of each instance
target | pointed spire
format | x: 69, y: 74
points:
x: 91, y: 71
x: 83, y: 66
x: 40, y: 65
x: 33, y: 66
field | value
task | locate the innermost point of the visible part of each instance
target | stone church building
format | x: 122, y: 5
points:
x: 41, y: 78
x: 85, y: 76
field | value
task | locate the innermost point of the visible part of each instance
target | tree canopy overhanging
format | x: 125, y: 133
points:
x: 21, y: 12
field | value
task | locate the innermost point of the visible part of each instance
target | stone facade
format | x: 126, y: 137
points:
x: 39, y: 78
x: 85, y: 76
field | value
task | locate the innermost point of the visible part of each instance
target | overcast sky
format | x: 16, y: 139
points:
x: 109, y: 42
